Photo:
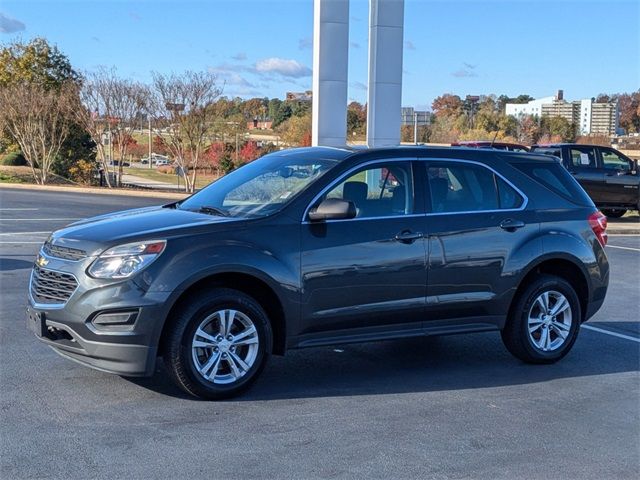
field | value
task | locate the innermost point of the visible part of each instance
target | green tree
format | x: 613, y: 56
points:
x: 282, y: 115
x: 35, y: 62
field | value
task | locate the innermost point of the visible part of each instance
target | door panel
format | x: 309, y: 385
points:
x: 620, y: 186
x: 371, y: 270
x: 476, y: 224
x: 356, y: 274
x: 582, y: 162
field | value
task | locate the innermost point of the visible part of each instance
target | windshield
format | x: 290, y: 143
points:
x: 260, y: 188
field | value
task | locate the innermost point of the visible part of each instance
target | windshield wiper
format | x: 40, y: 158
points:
x: 213, y: 210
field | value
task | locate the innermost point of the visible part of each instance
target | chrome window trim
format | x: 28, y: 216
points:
x: 525, y: 199
x: 345, y: 175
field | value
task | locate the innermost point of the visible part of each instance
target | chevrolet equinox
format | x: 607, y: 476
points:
x: 322, y: 246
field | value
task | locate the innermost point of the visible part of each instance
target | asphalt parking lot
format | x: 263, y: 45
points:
x: 447, y: 407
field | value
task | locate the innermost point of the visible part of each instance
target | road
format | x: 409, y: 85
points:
x: 446, y: 407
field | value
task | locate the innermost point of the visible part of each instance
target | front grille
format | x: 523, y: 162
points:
x: 50, y: 287
x: 65, y: 253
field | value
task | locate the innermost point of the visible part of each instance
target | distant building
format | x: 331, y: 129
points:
x: 257, y: 124
x: 408, y: 116
x: 588, y: 116
x: 306, y: 96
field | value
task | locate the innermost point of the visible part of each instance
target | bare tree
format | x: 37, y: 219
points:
x: 39, y: 120
x: 92, y: 114
x: 185, y: 101
x: 111, y: 107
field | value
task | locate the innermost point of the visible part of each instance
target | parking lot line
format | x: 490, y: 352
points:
x: 609, y: 332
x: 13, y: 209
x: 624, y: 248
x: 25, y: 233
x: 34, y: 219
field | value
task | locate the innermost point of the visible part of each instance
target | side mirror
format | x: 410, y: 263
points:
x: 333, y: 209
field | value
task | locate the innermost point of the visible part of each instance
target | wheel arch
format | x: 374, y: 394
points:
x: 561, y: 265
x: 246, y: 282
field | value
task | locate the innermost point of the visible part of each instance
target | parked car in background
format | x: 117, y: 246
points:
x: 611, y: 179
x: 307, y: 247
x: 511, y: 147
x: 117, y: 162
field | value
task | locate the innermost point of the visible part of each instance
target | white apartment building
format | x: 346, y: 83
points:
x: 589, y: 116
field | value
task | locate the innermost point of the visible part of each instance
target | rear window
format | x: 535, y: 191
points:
x: 556, y: 178
x: 548, y: 151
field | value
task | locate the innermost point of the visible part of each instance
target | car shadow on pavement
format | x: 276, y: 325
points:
x: 7, y: 264
x: 425, y: 364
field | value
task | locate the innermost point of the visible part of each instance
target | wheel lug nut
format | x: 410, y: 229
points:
x: 229, y: 337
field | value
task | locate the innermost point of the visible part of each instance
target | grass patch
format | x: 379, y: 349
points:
x: 154, y: 174
x: 11, y: 174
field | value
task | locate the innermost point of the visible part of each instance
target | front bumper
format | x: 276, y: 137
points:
x: 128, y: 350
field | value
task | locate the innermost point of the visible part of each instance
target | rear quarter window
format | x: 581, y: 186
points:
x: 555, y: 177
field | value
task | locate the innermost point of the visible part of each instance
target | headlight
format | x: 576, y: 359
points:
x: 125, y: 260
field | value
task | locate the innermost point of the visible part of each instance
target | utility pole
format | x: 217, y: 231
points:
x: 237, y: 147
x: 415, y: 128
x: 150, y: 141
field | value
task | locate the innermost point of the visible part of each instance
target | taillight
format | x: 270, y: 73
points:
x: 598, y: 223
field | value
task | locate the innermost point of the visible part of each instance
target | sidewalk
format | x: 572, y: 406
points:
x: 147, y: 183
x: 627, y: 225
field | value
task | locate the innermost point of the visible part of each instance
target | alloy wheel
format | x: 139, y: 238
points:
x: 549, y: 321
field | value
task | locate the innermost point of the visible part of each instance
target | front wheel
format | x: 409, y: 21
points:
x: 218, y: 343
x: 544, y: 321
x: 614, y: 213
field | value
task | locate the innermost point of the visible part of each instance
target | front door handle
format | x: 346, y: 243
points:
x: 511, y: 225
x: 407, y: 236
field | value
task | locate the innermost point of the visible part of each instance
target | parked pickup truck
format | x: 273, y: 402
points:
x: 610, y: 178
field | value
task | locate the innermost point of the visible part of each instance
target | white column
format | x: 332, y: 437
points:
x: 330, y: 66
x: 386, y: 32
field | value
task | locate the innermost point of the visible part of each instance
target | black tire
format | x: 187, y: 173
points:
x: 614, y: 213
x: 178, y: 347
x: 515, y: 334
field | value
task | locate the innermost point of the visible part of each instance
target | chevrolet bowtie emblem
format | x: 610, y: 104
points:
x: 41, y: 261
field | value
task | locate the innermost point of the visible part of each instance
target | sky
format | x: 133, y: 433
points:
x: 264, y: 47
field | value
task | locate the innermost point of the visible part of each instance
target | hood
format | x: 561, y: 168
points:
x: 94, y: 234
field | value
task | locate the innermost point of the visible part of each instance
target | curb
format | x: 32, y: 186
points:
x: 623, y: 231
x: 99, y: 191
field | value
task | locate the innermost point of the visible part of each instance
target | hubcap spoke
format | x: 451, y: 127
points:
x: 534, y: 324
x: 561, y: 305
x: 245, y: 337
x: 226, y: 320
x: 211, y: 366
x: 237, y: 373
x: 562, y: 333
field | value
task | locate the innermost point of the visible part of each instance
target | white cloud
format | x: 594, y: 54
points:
x: 358, y: 85
x: 284, y: 67
x: 240, y: 56
x: 10, y: 25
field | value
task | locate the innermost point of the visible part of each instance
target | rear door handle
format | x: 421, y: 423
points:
x: 511, y: 225
x: 407, y: 236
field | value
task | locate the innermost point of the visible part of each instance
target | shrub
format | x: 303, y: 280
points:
x: 82, y: 172
x: 170, y: 169
x: 13, y: 159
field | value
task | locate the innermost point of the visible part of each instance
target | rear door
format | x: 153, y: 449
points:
x: 582, y: 162
x: 621, y: 187
x: 475, y: 221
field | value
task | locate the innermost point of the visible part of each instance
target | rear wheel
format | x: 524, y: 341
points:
x: 544, y: 321
x: 218, y: 344
x: 614, y: 213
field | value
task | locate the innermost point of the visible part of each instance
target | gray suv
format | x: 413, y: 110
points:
x: 322, y: 246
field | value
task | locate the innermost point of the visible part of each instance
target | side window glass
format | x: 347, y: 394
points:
x: 583, y: 157
x: 382, y: 190
x: 612, y: 160
x: 508, y: 197
x: 461, y: 187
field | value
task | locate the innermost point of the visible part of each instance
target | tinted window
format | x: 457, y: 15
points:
x: 507, y: 196
x: 557, y: 179
x: 612, y: 160
x: 548, y: 151
x: 382, y: 190
x: 461, y: 187
x: 583, y: 157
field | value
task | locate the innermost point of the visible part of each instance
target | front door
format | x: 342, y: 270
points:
x: 369, y: 271
x: 621, y: 186
x: 583, y: 165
